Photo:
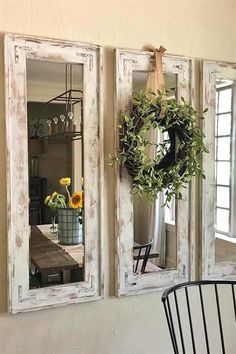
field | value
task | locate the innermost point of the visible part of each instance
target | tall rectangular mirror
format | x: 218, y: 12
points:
x: 153, y: 223
x: 152, y: 240
x: 53, y: 116
x: 55, y: 145
x: 218, y: 189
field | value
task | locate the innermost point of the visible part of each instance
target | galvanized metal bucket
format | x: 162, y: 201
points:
x: 70, y: 231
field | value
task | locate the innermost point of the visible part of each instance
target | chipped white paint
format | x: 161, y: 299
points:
x: 211, y: 71
x: 17, y: 50
x: 126, y: 282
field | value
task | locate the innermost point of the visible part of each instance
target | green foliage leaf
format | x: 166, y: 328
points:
x: 176, y: 160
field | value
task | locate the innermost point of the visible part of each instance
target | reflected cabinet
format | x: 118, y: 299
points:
x: 54, y: 171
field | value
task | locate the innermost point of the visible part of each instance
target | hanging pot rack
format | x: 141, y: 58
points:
x: 63, y: 129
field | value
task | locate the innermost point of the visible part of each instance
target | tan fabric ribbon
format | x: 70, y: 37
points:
x: 155, y: 80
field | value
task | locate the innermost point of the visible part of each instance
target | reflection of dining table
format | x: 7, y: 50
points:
x: 49, y: 257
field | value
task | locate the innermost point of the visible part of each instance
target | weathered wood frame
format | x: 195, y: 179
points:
x: 126, y: 282
x: 18, y: 49
x: 210, y: 72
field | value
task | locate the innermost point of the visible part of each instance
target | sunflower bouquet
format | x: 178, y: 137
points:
x: 57, y: 200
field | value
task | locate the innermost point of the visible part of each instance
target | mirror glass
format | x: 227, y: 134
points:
x: 225, y: 204
x: 155, y: 238
x: 55, y: 162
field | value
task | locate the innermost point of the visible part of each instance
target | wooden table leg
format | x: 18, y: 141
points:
x: 44, y: 278
x: 66, y: 276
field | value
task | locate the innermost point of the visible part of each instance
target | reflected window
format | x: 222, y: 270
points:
x: 170, y: 207
x: 170, y: 212
x: 224, y: 158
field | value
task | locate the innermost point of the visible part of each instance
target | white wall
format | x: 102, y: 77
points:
x: 199, y: 28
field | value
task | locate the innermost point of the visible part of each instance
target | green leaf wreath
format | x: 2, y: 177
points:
x: 176, y: 160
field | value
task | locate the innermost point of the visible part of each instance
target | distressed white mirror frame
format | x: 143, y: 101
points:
x: 18, y: 49
x: 127, y: 282
x: 211, y: 71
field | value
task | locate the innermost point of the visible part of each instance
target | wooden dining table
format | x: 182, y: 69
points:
x: 49, y: 257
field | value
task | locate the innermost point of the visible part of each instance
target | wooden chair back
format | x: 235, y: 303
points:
x: 199, y: 315
x: 142, y: 255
